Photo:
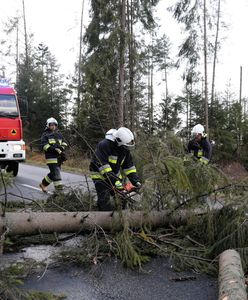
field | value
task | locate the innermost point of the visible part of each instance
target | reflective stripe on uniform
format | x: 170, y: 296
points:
x: 46, y: 147
x: 60, y: 141
x: 51, y: 160
x: 204, y: 160
x: 105, y: 169
x: 48, y: 180
x: 123, y: 161
x: 96, y: 175
x: 112, y: 159
x: 63, y: 145
x: 51, y: 141
x: 129, y: 170
x: 57, y: 183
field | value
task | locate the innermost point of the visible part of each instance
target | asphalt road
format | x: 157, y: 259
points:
x: 26, y: 184
x: 111, y: 281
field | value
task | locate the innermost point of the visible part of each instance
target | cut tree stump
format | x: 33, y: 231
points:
x: 231, y: 277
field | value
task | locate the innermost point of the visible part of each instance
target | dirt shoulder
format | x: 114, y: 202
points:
x: 75, y: 164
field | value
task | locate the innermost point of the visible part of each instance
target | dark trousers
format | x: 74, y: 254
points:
x: 104, y: 192
x: 54, y: 176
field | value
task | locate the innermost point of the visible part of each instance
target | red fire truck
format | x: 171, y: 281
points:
x: 12, y: 146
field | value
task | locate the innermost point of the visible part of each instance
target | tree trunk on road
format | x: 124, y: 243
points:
x: 16, y: 223
x: 231, y: 277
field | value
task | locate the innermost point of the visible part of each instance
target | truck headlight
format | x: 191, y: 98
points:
x: 16, y: 147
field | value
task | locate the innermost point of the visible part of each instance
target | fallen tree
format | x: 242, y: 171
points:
x: 16, y: 223
x: 231, y: 277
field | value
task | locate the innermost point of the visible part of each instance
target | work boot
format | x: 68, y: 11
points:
x: 59, y: 189
x: 43, y: 188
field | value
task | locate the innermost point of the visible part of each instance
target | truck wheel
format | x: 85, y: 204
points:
x: 13, y: 167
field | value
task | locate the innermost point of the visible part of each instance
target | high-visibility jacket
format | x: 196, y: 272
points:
x: 51, y: 141
x: 110, y: 161
x: 202, y: 149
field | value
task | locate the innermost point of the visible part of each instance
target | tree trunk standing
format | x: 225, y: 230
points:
x: 131, y: 64
x: 166, y: 78
x: 215, y: 56
x: 239, y: 135
x: 205, y: 67
x: 166, y: 90
x: 240, y: 85
x: 190, y: 105
x: 149, y: 94
x: 187, y: 112
x: 152, y: 105
x: 17, y: 49
x: 25, y: 32
x: 120, y: 104
x: 52, y: 86
x: 27, y: 70
x: 80, y: 61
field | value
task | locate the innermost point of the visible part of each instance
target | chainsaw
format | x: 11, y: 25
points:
x: 130, y: 191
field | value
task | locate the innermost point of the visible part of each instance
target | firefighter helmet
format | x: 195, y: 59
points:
x: 198, y: 129
x: 51, y: 121
x: 109, y: 135
x: 124, y: 137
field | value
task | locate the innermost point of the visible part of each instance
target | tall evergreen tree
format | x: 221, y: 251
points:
x: 111, y: 89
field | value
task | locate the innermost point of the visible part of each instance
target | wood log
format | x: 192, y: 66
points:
x: 231, y: 277
x: 22, y: 223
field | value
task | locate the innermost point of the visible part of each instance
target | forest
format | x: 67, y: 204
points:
x: 122, y: 52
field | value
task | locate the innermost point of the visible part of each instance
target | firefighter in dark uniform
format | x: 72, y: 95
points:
x: 53, y: 145
x: 199, y: 145
x: 112, y: 160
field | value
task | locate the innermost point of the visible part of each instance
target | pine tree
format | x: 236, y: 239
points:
x: 111, y: 73
x: 42, y: 85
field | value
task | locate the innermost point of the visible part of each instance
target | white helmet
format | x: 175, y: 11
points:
x: 109, y: 135
x: 51, y: 121
x: 198, y: 129
x: 124, y: 137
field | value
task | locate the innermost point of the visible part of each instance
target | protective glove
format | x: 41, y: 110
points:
x: 61, y: 148
x: 63, y: 156
x: 138, y: 185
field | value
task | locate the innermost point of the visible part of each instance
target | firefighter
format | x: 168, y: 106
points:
x: 111, y: 159
x: 199, y: 145
x: 53, y: 145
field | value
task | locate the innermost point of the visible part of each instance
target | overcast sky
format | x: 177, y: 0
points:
x: 56, y: 23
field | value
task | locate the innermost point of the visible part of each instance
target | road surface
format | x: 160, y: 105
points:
x: 111, y: 281
x: 26, y: 184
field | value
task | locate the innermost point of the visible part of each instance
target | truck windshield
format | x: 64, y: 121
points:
x: 8, y: 105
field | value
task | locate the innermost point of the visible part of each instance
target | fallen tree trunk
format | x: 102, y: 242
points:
x: 231, y: 277
x: 16, y: 223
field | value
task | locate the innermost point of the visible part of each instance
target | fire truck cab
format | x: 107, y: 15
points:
x: 12, y: 146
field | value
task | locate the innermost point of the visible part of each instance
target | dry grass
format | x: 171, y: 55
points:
x: 235, y: 171
x: 74, y: 163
